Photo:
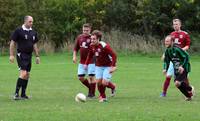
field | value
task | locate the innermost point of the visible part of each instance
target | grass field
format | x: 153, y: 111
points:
x: 53, y: 86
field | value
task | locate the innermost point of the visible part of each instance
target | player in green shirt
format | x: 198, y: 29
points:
x: 180, y: 60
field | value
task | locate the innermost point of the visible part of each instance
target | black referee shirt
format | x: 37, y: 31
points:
x: 25, y: 39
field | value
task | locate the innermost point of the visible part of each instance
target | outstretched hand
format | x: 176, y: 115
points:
x: 164, y: 72
x: 12, y: 58
x: 37, y: 61
x: 180, y: 69
x: 74, y: 59
x: 85, y: 66
x: 112, y: 69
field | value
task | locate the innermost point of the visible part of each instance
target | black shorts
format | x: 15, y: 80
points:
x: 24, y: 61
x: 181, y: 77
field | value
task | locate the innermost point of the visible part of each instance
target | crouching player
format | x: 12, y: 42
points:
x: 105, y: 64
x: 180, y: 60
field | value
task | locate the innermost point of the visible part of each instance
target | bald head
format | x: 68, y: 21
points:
x: 28, y: 21
x: 168, y: 41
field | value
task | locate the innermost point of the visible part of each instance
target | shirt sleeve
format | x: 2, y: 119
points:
x: 187, y: 39
x: 36, y: 38
x: 166, y: 61
x: 76, y: 46
x: 14, y: 36
x: 112, y: 54
x: 89, y: 56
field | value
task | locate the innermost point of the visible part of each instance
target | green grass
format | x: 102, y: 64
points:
x: 54, y: 84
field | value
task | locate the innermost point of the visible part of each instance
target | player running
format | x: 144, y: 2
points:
x: 181, y: 64
x: 105, y: 64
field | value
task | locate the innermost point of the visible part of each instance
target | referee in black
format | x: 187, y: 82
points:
x: 25, y: 38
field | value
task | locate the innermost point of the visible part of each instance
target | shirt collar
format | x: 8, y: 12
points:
x: 24, y: 28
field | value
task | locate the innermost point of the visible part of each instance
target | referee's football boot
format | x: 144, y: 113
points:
x: 16, y: 97
x: 24, y: 97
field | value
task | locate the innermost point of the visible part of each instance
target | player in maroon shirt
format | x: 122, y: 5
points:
x: 105, y: 64
x: 82, y: 44
x: 181, y: 39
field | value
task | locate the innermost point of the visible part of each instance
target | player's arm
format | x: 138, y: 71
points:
x: 114, y: 58
x: 36, y: 50
x: 186, y: 48
x: 74, y: 56
x: 166, y: 62
x: 163, y: 57
x: 13, y: 38
x: 187, y: 39
x: 76, y: 48
x: 12, y: 50
x: 90, y: 56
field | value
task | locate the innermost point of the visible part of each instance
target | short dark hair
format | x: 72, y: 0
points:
x: 98, y: 34
x: 87, y: 25
x: 177, y: 19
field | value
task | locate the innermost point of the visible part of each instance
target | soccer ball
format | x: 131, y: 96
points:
x: 80, y: 97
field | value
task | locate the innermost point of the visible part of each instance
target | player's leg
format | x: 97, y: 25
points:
x: 81, y: 76
x: 19, y: 80
x: 170, y: 73
x: 187, y: 81
x: 18, y: 86
x: 100, y: 86
x: 92, y: 84
x: 182, y: 86
x: 101, y: 89
x: 92, y: 81
x: 192, y: 92
x: 109, y: 84
x: 24, y: 75
x: 22, y: 61
x: 190, y: 88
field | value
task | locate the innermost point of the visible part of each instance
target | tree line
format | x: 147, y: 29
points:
x: 59, y: 21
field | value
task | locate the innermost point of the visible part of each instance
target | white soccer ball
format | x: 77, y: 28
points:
x: 80, y: 97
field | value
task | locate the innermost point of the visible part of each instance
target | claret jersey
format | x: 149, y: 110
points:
x: 103, y: 53
x: 181, y: 38
x: 82, y: 44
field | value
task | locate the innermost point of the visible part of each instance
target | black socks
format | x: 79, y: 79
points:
x: 184, y: 89
x: 21, y: 83
x: 18, y: 85
x: 24, y: 86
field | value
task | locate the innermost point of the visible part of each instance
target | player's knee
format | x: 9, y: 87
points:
x: 28, y: 75
x: 24, y: 75
x: 81, y: 78
x: 177, y: 83
x: 104, y: 82
x: 91, y: 79
x: 99, y: 81
x: 169, y: 76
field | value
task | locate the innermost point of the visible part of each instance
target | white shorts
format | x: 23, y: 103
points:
x: 89, y: 70
x: 170, y: 71
x: 103, y: 73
